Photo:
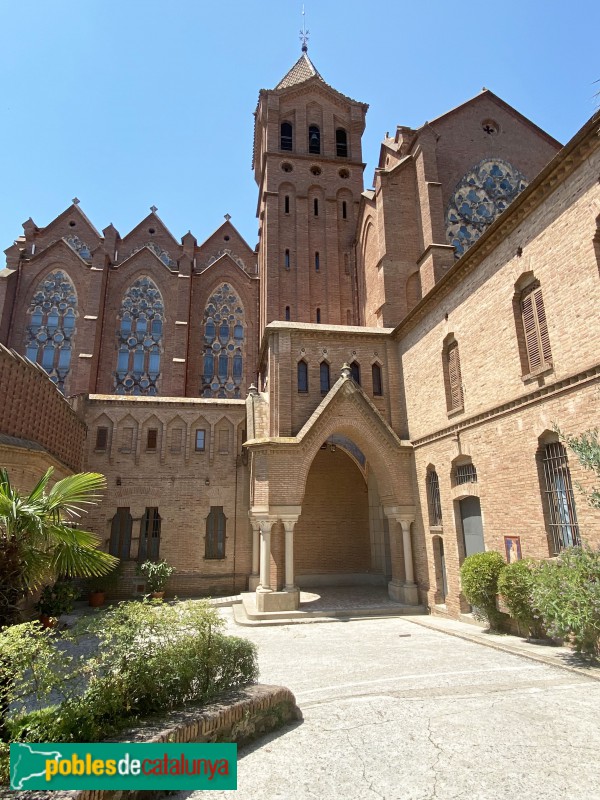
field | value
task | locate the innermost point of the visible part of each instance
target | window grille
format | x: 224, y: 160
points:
x: 287, y: 136
x: 120, y: 534
x: 564, y: 529
x: 465, y: 473
x: 150, y: 535
x: 535, y: 327
x: 433, y: 496
x: 216, y: 523
x: 324, y: 376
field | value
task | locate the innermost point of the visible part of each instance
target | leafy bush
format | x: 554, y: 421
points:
x: 567, y: 593
x: 58, y: 599
x: 479, y: 580
x: 149, y: 658
x: 157, y: 573
x: 515, y: 584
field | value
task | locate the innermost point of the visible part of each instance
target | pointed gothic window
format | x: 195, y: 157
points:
x: 355, y: 371
x: 223, y: 360
x: 140, y: 339
x: 302, y: 376
x: 314, y: 140
x: 341, y: 143
x: 377, y: 382
x: 324, y: 377
x: 287, y: 136
x: 51, y: 329
x: 214, y: 543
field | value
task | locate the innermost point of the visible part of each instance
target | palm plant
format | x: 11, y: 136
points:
x: 37, y: 538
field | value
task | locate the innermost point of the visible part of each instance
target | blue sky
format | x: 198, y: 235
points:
x: 128, y: 104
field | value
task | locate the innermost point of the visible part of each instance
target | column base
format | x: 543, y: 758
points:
x: 253, y: 582
x: 288, y: 600
x: 406, y: 593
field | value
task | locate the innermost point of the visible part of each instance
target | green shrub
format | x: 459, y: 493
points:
x: 57, y: 599
x: 149, y: 658
x: 479, y: 580
x: 515, y: 584
x: 157, y: 573
x: 567, y: 593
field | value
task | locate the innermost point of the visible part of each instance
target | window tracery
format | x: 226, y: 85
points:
x: 140, y: 339
x: 52, y: 315
x: 478, y: 199
x: 223, y: 362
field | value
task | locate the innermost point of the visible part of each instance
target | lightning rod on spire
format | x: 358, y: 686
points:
x: 304, y: 34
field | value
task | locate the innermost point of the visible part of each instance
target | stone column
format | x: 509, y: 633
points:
x: 401, y: 588
x: 254, y: 579
x: 407, y: 546
x: 265, y: 556
x: 289, y: 524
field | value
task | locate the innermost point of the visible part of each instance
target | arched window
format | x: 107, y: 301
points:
x: 377, y: 382
x: 120, y: 534
x: 560, y: 501
x: 316, y: 207
x: 51, y: 329
x: 286, y: 204
x: 149, y: 535
x: 302, y: 376
x: 216, y: 527
x: 534, y: 330
x: 433, y: 497
x: 287, y: 136
x: 355, y: 371
x: 344, y: 210
x: 452, y: 375
x: 223, y: 363
x: 324, y: 377
x: 314, y: 140
x: 139, y: 339
x: 341, y: 143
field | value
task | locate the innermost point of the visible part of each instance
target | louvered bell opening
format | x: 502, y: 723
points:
x: 564, y: 529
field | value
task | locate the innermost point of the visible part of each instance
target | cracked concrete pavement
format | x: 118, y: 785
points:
x: 397, y: 711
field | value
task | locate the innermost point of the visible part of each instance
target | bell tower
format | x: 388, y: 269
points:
x: 309, y: 170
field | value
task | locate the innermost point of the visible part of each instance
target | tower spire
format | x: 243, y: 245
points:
x: 304, y: 34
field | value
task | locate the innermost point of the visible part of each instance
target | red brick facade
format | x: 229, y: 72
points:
x: 343, y: 318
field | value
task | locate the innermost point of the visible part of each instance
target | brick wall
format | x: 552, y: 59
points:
x: 32, y: 408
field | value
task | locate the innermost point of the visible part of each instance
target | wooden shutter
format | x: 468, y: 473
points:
x: 454, y: 377
x: 535, y: 328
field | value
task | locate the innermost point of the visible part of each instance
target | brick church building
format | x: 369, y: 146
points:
x: 366, y: 397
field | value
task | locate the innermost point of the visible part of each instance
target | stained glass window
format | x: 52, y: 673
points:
x: 223, y: 359
x: 481, y: 196
x: 140, y: 339
x: 52, y: 314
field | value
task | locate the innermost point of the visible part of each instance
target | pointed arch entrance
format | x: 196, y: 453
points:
x: 304, y: 494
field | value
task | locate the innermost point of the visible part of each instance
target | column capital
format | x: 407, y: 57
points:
x: 400, y: 514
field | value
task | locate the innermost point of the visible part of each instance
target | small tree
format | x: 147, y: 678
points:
x: 586, y: 447
x: 479, y: 580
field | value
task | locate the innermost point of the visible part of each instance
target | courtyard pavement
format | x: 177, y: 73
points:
x: 401, y: 711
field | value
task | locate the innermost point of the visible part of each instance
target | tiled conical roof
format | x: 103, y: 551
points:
x: 302, y: 71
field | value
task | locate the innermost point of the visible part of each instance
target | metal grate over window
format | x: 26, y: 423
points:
x: 564, y: 529
x: 433, y: 495
x: 466, y: 473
